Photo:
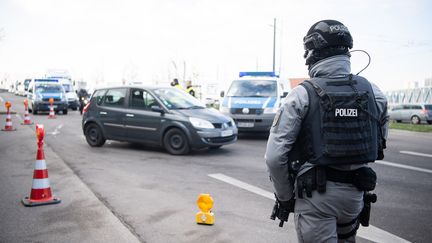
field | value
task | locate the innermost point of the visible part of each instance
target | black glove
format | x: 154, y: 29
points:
x: 282, y: 209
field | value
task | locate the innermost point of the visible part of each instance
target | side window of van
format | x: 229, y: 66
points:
x: 416, y: 107
x: 115, y: 97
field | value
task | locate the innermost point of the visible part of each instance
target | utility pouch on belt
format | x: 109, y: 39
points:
x: 365, y: 179
x: 312, y: 179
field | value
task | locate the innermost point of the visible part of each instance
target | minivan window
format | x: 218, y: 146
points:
x: 416, y: 107
x: 115, y: 97
x: 141, y: 99
x: 98, y: 96
x: 253, y: 88
x: 174, y: 98
x: 428, y: 107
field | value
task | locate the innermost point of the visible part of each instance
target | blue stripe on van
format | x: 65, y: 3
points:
x: 249, y: 102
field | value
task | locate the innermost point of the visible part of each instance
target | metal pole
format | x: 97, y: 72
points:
x: 274, y: 44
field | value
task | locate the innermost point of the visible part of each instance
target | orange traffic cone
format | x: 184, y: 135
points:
x: 41, y: 191
x: 51, y: 112
x: 8, y: 126
x: 27, y: 120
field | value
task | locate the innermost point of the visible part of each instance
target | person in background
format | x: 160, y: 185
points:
x: 189, y: 88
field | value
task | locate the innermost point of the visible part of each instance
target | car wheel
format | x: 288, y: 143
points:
x: 429, y: 122
x: 415, y: 120
x: 94, y: 135
x: 74, y: 108
x: 34, y: 111
x: 175, y: 142
x: 65, y: 112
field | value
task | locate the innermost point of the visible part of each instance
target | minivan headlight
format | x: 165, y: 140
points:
x: 200, y: 123
x: 270, y: 110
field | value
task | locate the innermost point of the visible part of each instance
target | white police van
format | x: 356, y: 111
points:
x: 41, y: 90
x: 253, y: 99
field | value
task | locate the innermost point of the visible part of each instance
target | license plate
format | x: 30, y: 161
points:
x: 245, y: 124
x: 226, y: 133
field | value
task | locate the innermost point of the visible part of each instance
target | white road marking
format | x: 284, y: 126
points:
x: 371, y: 233
x: 415, y: 153
x: 57, y: 130
x: 382, y: 162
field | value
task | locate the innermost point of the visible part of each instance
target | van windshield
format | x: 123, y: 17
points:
x: 173, y: 98
x: 68, y: 88
x: 48, y: 88
x: 253, y: 88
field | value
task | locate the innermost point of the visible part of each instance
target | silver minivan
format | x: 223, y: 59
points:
x: 414, y: 113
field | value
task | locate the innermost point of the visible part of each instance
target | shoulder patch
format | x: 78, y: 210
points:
x: 277, y: 118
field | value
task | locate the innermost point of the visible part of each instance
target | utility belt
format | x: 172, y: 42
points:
x: 316, y: 178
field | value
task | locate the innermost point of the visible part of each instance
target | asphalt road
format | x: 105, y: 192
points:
x: 152, y: 194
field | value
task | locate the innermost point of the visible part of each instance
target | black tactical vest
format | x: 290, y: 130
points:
x: 341, y: 126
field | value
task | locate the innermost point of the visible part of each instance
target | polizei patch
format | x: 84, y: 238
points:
x: 346, y: 112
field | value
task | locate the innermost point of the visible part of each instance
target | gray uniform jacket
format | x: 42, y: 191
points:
x: 287, y: 124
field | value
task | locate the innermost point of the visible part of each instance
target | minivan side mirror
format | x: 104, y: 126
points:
x: 284, y: 94
x: 157, y: 108
x: 222, y: 93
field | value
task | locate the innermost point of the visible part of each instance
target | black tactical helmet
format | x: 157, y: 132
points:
x: 326, y: 38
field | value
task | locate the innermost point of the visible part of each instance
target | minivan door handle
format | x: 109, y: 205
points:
x: 130, y: 115
x: 103, y: 113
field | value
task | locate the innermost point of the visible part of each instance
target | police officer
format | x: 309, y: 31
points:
x: 323, y: 137
x: 189, y: 88
x: 175, y: 83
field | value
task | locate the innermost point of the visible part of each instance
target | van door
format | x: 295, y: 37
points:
x: 141, y: 123
x: 112, y: 112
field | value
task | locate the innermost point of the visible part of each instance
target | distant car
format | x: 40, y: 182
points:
x: 163, y: 116
x: 414, y: 113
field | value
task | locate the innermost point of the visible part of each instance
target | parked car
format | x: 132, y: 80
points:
x: 414, y: 113
x: 163, y: 116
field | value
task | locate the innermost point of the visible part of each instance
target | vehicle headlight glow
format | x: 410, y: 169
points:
x: 270, y: 110
x: 224, y: 109
x: 200, y: 123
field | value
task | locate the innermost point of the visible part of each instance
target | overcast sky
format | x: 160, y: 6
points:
x: 156, y: 40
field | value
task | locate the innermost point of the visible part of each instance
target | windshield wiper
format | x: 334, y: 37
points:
x: 196, y: 107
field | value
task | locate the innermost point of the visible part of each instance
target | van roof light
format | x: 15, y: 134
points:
x: 258, y: 74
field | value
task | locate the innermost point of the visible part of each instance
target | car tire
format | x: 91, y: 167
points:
x: 175, y: 142
x: 94, y: 135
x: 74, y: 108
x: 65, y: 111
x: 34, y: 111
x: 415, y: 120
x: 429, y: 122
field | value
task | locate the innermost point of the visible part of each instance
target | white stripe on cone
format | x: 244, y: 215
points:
x: 41, y: 183
x: 40, y: 165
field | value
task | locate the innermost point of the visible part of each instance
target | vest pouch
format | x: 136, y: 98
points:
x: 346, y: 126
x: 365, y: 179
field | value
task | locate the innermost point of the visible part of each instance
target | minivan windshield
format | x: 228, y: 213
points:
x: 253, y: 88
x: 48, y: 88
x: 173, y: 98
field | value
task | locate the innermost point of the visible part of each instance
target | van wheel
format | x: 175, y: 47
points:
x: 175, y: 142
x: 34, y: 111
x: 415, y: 120
x: 94, y: 135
